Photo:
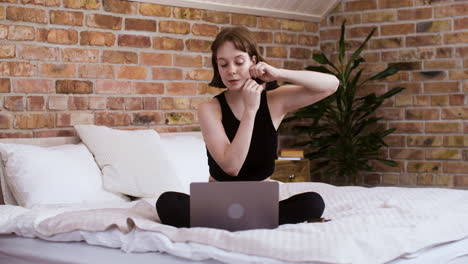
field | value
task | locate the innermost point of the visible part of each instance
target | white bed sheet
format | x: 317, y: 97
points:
x: 369, y: 225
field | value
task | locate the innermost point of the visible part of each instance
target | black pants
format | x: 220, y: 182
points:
x: 174, y: 208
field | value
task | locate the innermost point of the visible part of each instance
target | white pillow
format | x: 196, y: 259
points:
x: 132, y: 162
x: 54, y: 175
x: 187, y: 154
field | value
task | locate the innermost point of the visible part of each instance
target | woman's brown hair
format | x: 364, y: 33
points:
x: 242, y: 39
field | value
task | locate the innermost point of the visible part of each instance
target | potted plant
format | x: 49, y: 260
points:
x: 343, y: 135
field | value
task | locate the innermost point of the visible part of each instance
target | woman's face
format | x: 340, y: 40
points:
x: 233, y: 65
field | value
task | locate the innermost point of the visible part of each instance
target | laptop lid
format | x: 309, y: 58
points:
x: 234, y: 206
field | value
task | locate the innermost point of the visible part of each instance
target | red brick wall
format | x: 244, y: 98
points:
x: 119, y: 63
x: 429, y: 40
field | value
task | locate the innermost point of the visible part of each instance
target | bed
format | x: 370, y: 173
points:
x: 368, y: 225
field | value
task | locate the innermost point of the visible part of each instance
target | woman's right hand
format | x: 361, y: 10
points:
x: 251, y: 92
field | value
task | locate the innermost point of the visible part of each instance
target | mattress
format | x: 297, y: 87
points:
x: 369, y: 225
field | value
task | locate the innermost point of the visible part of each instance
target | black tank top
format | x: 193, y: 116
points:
x: 260, y: 161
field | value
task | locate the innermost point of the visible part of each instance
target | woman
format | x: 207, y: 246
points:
x: 240, y: 125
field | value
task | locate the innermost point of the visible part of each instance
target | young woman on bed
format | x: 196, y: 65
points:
x: 240, y: 125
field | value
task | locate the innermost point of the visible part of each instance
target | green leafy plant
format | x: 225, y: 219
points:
x: 342, y: 129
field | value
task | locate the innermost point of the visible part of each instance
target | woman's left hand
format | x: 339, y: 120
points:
x: 264, y: 71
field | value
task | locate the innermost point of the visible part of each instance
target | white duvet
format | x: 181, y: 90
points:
x: 369, y: 225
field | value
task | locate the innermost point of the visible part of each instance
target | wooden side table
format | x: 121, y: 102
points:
x: 292, y: 170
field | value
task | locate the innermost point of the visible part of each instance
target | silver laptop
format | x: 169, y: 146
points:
x: 234, y: 206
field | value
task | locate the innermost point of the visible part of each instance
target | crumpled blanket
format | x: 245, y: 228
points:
x: 368, y: 225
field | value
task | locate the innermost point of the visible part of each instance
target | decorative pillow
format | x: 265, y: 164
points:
x: 187, y: 154
x: 132, y: 162
x: 54, y: 175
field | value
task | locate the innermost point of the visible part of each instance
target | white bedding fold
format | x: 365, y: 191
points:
x: 369, y: 225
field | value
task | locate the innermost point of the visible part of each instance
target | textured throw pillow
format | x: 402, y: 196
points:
x: 55, y: 175
x: 132, y: 162
x: 187, y: 154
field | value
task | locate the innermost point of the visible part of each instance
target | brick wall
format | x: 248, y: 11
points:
x: 120, y: 63
x: 428, y: 39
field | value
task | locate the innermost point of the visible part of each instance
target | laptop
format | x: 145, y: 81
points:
x: 234, y: 206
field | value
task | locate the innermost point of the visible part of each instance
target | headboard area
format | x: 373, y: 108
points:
x: 55, y: 141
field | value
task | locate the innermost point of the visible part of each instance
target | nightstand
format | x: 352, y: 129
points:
x: 292, y: 170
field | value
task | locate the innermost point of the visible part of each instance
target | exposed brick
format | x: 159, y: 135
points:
x: 244, y: 20
x: 57, y: 70
x: 285, y: 38
x: 148, y: 118
x: 461, y: 23
x: 148, y: 88
x: 166, y: 43
x: 434, y: 26
x: 387, y: 43
x: 66, y: 18
x: 164, y: 59
x: 460, y: 181
x: 395, y: 4
x: 33, y: 86
x: 179, y: 118
x: 73, y: 87
x: 398, y: 29
x: 198, y: 45
x: 104, y: 21
x: 182, y: 88
x: 167, y: 74
x: 150, y: 103
x: 457, y: 37
x: 5, y: 85
x: 55, y: 3
x: 263, y: 36
x: 380, y: 16
x: 456, y: 167
x: 443, y: 154
x: 216, y: 17
x: 175, y: 27
x: 112, y: 119
x: 311, y: 27
x: 441, y: 87
x: 415, y: 14
x: 337, y: 20
x: 78, y: 103
x: 182, y: 60
x: 406, y: 154
x: 96, y: 71
x: 34, y: 52
x: 140, y: 24
x: 58, y: 103
x: 443, y: 127
x: 7, y: 51
x: 97, y: 103
x: 407, y: 127
x: 439, y: 100
x: 17, y: 68
x: 363, y: 31
x: 300, y: 53
x: 458, y: 74
x: 277, y: 52
x: 360, y: 5
x: 82, y: 4
x: 204, y: 88
x: 390, y: 179
x: 27, y: 121
x: 62, y: 36
x: 268, y: 23
x: 422, y: 114
x: 454, y: 113
x: 80, y: 55
x: 307, y: 40
x: 444, y: 52
x: 199, y: 74
x: 73, y: 119
x: 134, y: 41
x: 292, y: 25
x: 441, y: 64
x: 147, y: 9
x: 133, y: 103
x: 187, y: 13
x: 424, y: 166
x: 293, y: 65
x: 114, y: 87
x: 14, y: 103
x: 131, y: 72
x: 457, y: 99
x: 451, y: 10
x: 54, y: 133
x: 96, y: 38
x: 456, y: 141
x: 3, y: 119
x: 204, y: 30
x: 119, y: 6
x: 196, y: 101
x: 119, y: 57
x: 6, y: 122
x: 20, y: 32
x: 32, y: 15
x: 429, y: 75
x: 166, y: 103
x: 116, y: 103
x: 181, y: 103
